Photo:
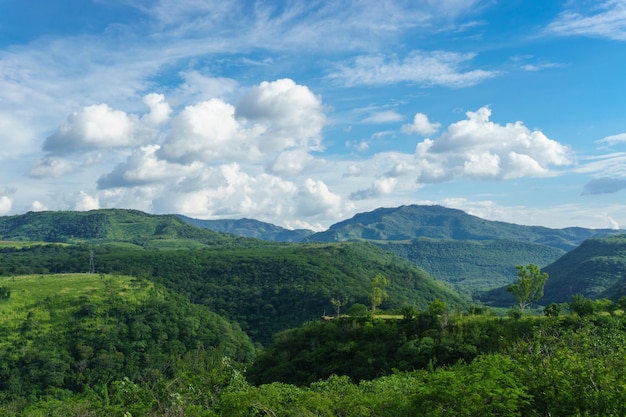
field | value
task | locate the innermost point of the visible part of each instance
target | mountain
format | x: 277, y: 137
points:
x: 596, y: 269
x: 473, y: 266
x: 473, y: 254
x: 264, y: 286
x: 108, y: 225
x: 409, y: 222
x: 251, y: 228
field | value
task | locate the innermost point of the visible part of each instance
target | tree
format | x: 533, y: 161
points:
x: 529, y: 286
x: 379, y: 283
x: 339, y: 302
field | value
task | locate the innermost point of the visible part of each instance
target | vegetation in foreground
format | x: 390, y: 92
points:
x: 554, y: 365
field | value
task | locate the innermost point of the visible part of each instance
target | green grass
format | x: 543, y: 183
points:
x: 50, y: 300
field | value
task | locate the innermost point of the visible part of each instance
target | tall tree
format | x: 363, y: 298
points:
x: 529, y: 285
x: 379, y: 294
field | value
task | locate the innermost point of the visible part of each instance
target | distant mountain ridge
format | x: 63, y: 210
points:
x: 251, y: 228
x: 438, y: 222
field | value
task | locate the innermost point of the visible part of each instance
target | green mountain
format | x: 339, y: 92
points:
x: 251, y: 228
x: 473, y: 266
x: 473, y: 254
x: 409, y: 222
x: 596, y: 269
x: 264, y: 286
x: 108, y: 225
x: 76, y: 332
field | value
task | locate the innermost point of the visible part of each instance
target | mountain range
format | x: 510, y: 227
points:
x: 477, y: 257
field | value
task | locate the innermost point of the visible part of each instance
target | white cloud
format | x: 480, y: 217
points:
x: 51, y: 168
x: 85, y: 202
x: 388, y: 116
x: 94, y: 127
x: 605, y: 19
x: 614, y: 139
x: 421, y: 125
x: 271, y: 118
x: 38, y: 206
x: 314, y: 198
x: 208, y: 131
x: 291, y: 162
x: 478, y: 148
x: 419, y: 67
x: 381, y: 187
x: 159, y: 109
x: 292, y: 115
x: 6, y: 203
x: 143, y: 167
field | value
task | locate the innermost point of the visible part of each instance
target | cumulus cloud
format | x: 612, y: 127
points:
x: 51, y: 168
x: 478, y: 148
x: 159, y: 109
x: 99, y: 127
x: 94, y: 127
x: 143, y: 167
x: 85, y: 202
x: 292, y: 115
x: 291, y: 162
x: 381, y: 187
x: 6, y: 203
x: 208, y: 131
x: 421, y: 125
x: 271, y: 118
x: 38, y: 206
x: 419, y: 67
x: 604, y: 185
x: 314, y: 198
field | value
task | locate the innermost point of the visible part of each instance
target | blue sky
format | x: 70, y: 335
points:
x: 304, y: 113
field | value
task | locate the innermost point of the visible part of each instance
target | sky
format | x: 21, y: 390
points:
x: 304, y: 113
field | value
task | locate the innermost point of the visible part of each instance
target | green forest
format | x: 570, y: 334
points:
x: 126, y: 314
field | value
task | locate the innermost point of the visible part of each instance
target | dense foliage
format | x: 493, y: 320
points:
x: 567, y: 366
x: 473, y: 266
x: 266, y: 288
x: 70, y: 334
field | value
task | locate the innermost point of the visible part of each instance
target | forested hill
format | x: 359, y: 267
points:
x: 409, y: 222
x: 265, y: 287
x: 107, y: 225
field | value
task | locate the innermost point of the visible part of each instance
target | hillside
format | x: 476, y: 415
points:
x: 437, y: 222
x: 596, y: 269
x: 74, y: 331
x: 251, y: 228
x: 108, y: 225
x: 265, y: 287
x: 473, y: 266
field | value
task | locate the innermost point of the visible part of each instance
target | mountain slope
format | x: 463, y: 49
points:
x: 264, y: 286
x: 73, y: 331
x: 251, y: 228
x: 107, y: 225
x: 596, y: 269
x: 592, y: 269
x: 410, y: 222
x: 473, y: 266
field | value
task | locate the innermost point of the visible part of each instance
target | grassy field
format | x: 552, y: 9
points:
x: 49, y: 300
